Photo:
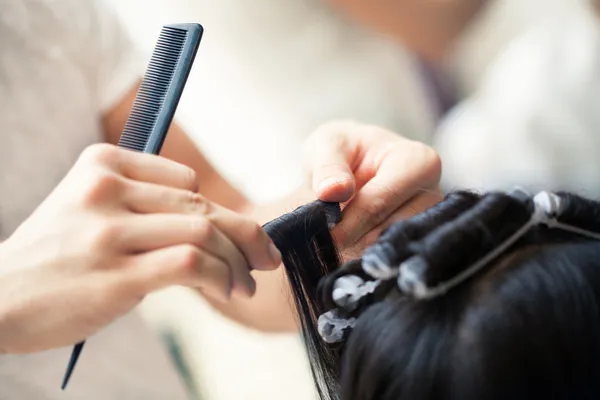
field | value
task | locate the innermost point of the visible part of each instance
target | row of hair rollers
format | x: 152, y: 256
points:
x: 391, y: 248
x: 454, y: 247
x: 444, y: 240
x: 464, y: 221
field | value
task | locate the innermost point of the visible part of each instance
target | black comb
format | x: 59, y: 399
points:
x: 155, y: 104
x: 161, y: 89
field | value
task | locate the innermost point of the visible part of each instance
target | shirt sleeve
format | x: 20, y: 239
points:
x: 116, y: 64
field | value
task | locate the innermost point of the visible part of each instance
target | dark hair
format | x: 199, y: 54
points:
x: 526, y: 326
x: 308, y: 254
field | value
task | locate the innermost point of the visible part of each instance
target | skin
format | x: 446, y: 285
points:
x: 428, y: 27
x: 117, y: 227
x: 135, y: 223
x: 348, y: 162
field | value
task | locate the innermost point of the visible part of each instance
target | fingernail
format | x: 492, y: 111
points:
x: 331, y: 181
x: 275, y: 254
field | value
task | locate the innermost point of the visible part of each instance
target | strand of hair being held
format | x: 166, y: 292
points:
x: 309, y: 253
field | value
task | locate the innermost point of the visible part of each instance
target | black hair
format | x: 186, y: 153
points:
x: 526, y: 326
x: 309, y: 253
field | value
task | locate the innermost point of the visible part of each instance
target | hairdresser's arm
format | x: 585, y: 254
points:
x: 180, y: 148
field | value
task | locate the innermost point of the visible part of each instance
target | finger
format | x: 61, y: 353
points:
x: 400, y: 176
x: 248, y: 237
x: 184, y: 265
x: 150, y: 198
x: 416, y: 205
x: 155, y: 169
x: 328, y: 155
x: 155, y: 231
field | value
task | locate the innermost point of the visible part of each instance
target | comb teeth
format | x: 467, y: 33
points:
x: 153, y: 90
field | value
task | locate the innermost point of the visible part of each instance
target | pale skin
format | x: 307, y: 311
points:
x: 126, y: 224
x: 359, y: 162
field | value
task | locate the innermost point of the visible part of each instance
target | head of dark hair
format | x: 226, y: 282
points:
x: 526, y: 326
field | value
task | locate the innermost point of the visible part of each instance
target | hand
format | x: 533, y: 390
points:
x: 120, y: 225
x: 378, y: 176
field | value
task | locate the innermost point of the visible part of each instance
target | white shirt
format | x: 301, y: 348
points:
x: 62, y: 64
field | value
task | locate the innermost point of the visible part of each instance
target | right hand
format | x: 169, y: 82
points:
x: 119, y: 226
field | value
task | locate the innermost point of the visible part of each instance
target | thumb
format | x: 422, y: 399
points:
x: 329, y: 159
x: 333, y: 183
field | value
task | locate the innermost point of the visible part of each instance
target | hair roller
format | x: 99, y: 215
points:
x: 580, y: 212
x: 391, y: 247
x: 453, y: 247
x: 351, y: 290
x: 326, y: 285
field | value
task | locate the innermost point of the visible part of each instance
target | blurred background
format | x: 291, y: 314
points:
x: 506, y: 90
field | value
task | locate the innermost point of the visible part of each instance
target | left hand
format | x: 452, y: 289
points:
x: 379, y: 177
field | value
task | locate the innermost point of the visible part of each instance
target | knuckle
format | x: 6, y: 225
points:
x: 101, y: 184
x: 198, y: 204
x: 375, y: 208
x: 190, y: 258
x: 201, y: 229
x: 101, y: 153
x: 254, y: 232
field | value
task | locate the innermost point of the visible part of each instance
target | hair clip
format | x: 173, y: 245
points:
x: 376, y: 262
x: 411, y: 274
x: 547, y: 208
x: 332, y: 327
x: 349, y: 289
